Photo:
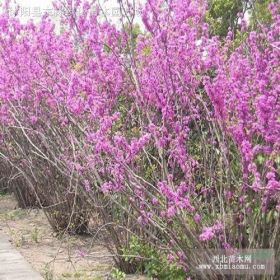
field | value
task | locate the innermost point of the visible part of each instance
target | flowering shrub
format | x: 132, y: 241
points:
x: 168, y: 134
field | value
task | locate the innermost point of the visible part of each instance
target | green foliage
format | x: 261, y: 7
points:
x: 150, y: 261
x: 118, y: 274
x: 240, y: 37
x: 2, y: 191
x: 222, y: 15
x: 106, y: 48
x: 35, y: 233
x: 133, y: 32
x: 136, y: 31
x: 260, y: 13
x: 79, y: 275
x: 147, y: 50
x: 48, y: 273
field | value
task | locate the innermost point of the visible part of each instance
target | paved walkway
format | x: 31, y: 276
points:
x: 12, y: 265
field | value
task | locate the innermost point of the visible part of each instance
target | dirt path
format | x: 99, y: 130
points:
x: 64, y: 258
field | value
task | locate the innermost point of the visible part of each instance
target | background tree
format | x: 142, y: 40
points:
x: 223, y: 15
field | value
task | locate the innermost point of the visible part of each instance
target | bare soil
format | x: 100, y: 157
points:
x: 55, y: 257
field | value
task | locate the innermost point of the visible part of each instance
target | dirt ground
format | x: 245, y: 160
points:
x: 56, y: 258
